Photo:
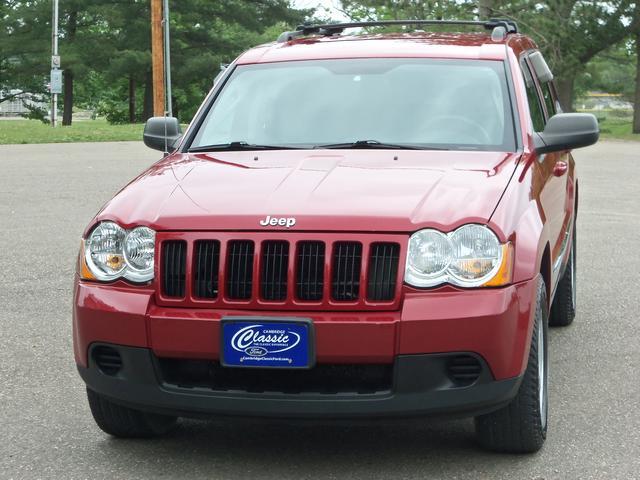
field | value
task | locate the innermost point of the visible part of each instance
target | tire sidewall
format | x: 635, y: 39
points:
x: 543, y: 328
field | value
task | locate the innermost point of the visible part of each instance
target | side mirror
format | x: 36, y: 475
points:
x: 162, y: 133
x: 565, y: 131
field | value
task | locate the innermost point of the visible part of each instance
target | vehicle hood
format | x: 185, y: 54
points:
x: 324, y: 190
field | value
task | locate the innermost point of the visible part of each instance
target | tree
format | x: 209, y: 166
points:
x: 569, y: 32
x: 610, y: 71
x: 408, y: 9
x: 128, y: 64
x: 485, y: 9
x: 206, y: 34
x: 24, y: 29
x: 105, y: 46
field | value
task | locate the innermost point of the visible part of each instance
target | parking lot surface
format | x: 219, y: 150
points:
x: 48, y: 193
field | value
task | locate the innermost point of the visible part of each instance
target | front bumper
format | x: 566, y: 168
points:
x: 420, y: 387
x: 494, y: 324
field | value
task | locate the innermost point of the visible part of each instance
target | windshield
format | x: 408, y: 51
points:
x: 417, y: 103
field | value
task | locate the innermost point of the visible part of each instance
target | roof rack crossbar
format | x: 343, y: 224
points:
x: 335, y: 28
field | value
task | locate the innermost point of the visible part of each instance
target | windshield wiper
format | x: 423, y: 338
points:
x: 375, y: 144
x: 238, y: 146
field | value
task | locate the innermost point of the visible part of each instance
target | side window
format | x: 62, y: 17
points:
x: 548, y: 99
x: 535, y: 107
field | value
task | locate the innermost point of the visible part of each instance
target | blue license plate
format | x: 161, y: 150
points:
x: 267, y: 343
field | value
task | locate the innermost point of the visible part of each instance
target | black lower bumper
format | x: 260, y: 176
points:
x: 420, y: 387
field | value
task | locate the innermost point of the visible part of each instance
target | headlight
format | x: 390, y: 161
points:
x: 471, y: 256
x: 477, y: 253
x: 139, y: 249
x: 429, y: 255
x: 110, y: 252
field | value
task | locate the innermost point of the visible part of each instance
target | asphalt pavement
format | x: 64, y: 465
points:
x: 48, y: 193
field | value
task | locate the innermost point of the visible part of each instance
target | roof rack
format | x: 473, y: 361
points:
x: 329, y: 29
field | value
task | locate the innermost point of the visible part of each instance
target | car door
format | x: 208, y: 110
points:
x: 564, y: 170
x: 553, y: 169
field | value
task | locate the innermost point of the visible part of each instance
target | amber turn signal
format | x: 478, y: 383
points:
x: 83, y: 270
x: 504, y: 274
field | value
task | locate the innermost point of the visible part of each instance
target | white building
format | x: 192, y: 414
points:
x: 15, y: 106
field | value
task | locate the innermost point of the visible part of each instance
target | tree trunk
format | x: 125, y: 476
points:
x: 67, y: 78
x: 565, y: 92
x: 147, y: 108
x: 636, y: 106
x: 485, y: 9
x: 132, y: 99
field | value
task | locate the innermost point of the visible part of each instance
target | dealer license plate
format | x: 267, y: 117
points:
x: 267, y: 342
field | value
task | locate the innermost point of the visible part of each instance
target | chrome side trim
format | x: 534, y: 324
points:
x: 563, y: 250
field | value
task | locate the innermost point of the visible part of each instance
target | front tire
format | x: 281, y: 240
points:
x: 126, y: 422
x: 521, y: 426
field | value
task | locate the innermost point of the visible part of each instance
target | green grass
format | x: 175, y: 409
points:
x: 34, y: 131
x: 617, y: 128
x: 615, y: 125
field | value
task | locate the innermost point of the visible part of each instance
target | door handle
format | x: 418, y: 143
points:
x: 560, y: 168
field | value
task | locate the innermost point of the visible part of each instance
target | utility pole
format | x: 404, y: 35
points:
x: 157, y: 58
x: 55, y: 80
x: 167, y: 57
x: 635, y: 128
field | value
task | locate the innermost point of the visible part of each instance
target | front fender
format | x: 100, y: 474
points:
x: 520, y: 216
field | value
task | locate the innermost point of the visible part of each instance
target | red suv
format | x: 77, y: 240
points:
x: 352, y: 226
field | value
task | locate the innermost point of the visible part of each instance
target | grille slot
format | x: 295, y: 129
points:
x: 174, y: 262
x: 240, y: 269
x: 107, y: 359
x: 347, y: 261
x: 383, y: 271
x: 464, y: 369
x: 206, y: 268
x: 274, y: 270
x: 310, y: 271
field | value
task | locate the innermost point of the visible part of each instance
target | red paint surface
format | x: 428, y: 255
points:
x: 357, y: 190
x: 494, y: 323
x: 256, y: 302
x: 343, y: 194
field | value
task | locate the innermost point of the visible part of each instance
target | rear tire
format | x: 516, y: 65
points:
x: 563, y: 308
x: 521, y: 426
x: 126, y: 422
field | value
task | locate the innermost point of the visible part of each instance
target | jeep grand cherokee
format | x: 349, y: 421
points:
x: 352, y: 226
